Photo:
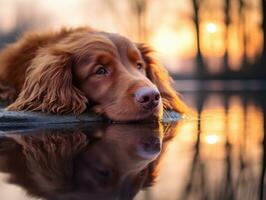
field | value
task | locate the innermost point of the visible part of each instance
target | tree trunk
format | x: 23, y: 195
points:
x: 227, y: 23
x: 242, y: 17
x: 200, y: 70
x: 263, y: 4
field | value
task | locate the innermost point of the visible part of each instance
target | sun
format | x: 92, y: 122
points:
x: 211, y: 27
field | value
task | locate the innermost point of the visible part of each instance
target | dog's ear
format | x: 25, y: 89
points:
x: 160, y: 77
x: 49, y: 86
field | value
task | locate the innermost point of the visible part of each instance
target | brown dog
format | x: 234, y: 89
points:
x: 64, y: 72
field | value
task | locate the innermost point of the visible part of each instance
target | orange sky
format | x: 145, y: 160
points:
x: 172, y: 32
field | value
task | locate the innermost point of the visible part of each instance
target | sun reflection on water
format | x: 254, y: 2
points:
x: 211, y: 139
x: 217, y: 155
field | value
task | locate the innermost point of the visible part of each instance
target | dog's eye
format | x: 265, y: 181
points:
x: 101, y: 70
x: 139, y: 66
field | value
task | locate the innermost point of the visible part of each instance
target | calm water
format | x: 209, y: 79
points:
x: 218, y: 155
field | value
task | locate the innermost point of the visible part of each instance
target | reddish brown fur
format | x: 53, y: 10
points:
x: 66, y: 164
x: 48, y: 72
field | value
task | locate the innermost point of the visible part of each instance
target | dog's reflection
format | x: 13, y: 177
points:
x: 96, y: 162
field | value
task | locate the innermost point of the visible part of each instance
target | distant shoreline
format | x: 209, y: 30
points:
x: 190, y: 85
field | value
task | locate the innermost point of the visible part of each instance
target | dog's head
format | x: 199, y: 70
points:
x: 114, y: 76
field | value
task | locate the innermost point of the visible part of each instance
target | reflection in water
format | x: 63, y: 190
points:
x: 89, y: 162
x: 219, y: 156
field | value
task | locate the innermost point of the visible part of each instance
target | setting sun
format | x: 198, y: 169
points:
x: 211, y: 27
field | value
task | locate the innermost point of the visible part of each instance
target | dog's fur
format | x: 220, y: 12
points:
x: 54, y: 72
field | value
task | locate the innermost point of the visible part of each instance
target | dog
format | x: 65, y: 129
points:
x: 70, y: 70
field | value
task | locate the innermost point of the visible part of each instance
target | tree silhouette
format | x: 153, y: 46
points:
x: 200, y: 70
x: 263, y: 55
x: 138, y: 8
x: 227, y: 21
x: 242, y: 21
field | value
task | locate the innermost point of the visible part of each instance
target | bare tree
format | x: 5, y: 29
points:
x: 227, y: 22
x: 138, y: 8
x: 242, y: 21
x: 136, y: 26
x: 200, y: 64
x: 263, y: 5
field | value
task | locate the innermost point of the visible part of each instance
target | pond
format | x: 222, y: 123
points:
x: 219, y: 154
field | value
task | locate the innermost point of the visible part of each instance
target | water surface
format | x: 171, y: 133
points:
x: 219, y: 154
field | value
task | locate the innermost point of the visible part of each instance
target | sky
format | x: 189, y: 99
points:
x: 169, y: 26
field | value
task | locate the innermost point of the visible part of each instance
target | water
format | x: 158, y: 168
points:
x: 219, y: 154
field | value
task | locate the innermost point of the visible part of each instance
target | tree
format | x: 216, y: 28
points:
x: 200, y: 64
x: 227, y: 21
x: 242, y: 21
x: 138, y: 8
x: 263, y: 55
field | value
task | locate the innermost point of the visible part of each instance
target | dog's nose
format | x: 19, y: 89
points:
x: 149, y: 147
x: 148, y: 97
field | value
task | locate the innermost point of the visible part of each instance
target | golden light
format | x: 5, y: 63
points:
x: 175, y: 43
x: 166, y: 41
x: 212, y: 39
x: 236, y: 117
x: 211, y: 139
x: 211, y: 27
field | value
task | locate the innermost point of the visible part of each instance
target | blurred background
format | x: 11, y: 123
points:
x: 216, y: 51
x: 210, y: 39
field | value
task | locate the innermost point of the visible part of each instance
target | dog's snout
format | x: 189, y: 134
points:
x: 148, y: 97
